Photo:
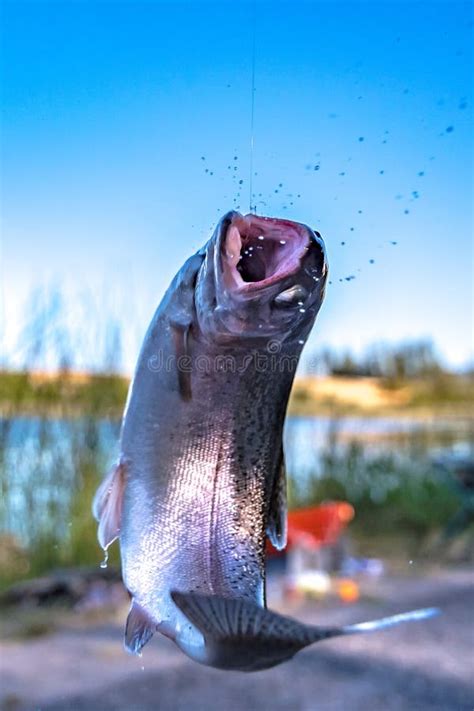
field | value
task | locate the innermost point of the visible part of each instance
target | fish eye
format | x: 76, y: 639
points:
x: 291, y: 297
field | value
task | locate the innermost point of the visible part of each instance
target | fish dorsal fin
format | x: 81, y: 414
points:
x: 277, y: 514
x: 107, y: 505
x: 221, y: 619
x: 139, y: 628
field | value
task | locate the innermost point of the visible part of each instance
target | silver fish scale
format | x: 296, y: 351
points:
x: 198, y: 488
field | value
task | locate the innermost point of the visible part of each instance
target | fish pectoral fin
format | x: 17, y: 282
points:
x: 225, y: 619
x: 180, y: 332
x: 107, y: 505
x: 278, y: 512
x: 139, y: 628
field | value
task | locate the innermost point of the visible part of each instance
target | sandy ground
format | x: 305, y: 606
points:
x: 423, y: 666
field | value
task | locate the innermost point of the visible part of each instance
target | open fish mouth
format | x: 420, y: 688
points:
x: 257, y: 252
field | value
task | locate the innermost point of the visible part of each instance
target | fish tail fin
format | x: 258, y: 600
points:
x: 139, y: 628
x: 231, y: 621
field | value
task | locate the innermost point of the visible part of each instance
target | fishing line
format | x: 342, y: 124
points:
x: 252, y: 208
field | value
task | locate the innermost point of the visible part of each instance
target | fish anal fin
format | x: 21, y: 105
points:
x: 107, y: 505
x: 278, y: 511
x: 139, y: 628
x: 221, y: 617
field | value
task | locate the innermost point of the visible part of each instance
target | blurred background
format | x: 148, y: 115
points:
x: 128, y: 129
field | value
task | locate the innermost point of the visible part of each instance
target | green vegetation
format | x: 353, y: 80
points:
x: 101, y: 395
x: 391, y: 492
x: 49, y: 471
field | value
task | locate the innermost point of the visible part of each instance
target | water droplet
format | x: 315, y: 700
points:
x: 261, y: 237
x: 302, y: 311
x: 283, y: 241
x: 301, y: 342
x: 103, y: 565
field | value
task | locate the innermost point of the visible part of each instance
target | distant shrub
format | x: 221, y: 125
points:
x: 389, y: 491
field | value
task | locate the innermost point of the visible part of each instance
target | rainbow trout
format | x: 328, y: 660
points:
x: 200, y: 481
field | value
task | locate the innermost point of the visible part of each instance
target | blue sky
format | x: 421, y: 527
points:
x: 113, y: 113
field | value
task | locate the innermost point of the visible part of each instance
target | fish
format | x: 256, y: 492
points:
x: 200, y: 483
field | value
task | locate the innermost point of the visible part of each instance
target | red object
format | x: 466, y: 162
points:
x: 316, y: 526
